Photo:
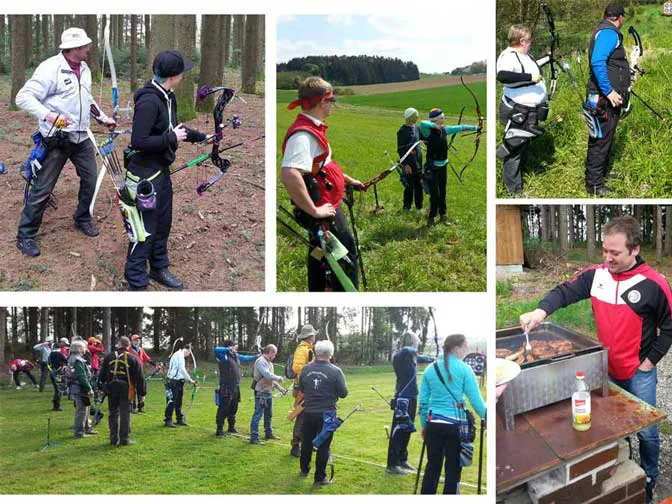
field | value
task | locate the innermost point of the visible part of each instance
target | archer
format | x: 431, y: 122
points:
x: 59, y: 96
x: 316, y: 183
x: 154, y: 142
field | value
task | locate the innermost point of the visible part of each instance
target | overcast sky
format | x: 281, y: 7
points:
x: 453, y: 41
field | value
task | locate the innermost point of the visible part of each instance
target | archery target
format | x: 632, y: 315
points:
x: 477, y: 362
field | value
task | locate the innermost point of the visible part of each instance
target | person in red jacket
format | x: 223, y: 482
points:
x: 22, y: 366
x: 315, y: 182
x: 137, y: 350
x: 96, y: 349
x: 632, y: 306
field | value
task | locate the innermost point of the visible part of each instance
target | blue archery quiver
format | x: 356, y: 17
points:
x: 34, y: 162
x: 330, y: 422
x: 403, y: 419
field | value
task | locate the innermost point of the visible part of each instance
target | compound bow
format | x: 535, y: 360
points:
x: 554, y: 44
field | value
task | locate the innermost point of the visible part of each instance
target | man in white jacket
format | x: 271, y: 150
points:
x: 59, y: 96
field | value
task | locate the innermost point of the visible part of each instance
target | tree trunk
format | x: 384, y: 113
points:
x: 156, y: 326
x: 563, y: 235
x: 37, y: 37
x: 59, y: 22
x: 134, y: 52
x: 186, y: 40
x: 262, y: 45
x: 590, y: 233
x: 44, y: 323
x: 148, y: 32
x: 94, y: 55
x: 46, y: 28
x: 238, y: 38
x: 211, y: 68
x: 3, y: 46
x: 163, y: 37
x: 19, y: 25
x: 226, y: 39
x: 3, y: 331
x: 250, y: 57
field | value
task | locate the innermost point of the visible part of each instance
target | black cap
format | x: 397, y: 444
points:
x: 170, y: 63
x: 614, y: 10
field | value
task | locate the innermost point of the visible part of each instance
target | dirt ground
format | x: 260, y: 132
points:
x: 432, y: 82
x: 216, y: 242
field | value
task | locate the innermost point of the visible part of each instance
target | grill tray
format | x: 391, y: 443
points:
x: 547, y: 381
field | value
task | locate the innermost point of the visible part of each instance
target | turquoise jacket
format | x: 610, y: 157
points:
x: 427, y: 126
x: 435, y: 398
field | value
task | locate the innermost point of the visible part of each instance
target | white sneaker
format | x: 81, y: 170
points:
x: 18, y: 387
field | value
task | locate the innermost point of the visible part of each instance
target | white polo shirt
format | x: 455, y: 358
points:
x: 302, y: 148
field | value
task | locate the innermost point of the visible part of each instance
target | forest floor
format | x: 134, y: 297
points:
x: 520, y: 293
x: 191, y: 460
x: 217, y: 240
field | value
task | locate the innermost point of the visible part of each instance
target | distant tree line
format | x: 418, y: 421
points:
x: 348, y: 70
x: 567, y: 226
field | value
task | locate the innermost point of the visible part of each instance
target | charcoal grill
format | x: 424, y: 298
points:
x: 546, y: 381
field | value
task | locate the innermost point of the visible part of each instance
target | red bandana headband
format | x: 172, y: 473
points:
x: 308, y: 103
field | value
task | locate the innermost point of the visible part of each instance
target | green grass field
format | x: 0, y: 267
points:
x: 641, y: 154
x: 400, y: 253
x: 191, y: 460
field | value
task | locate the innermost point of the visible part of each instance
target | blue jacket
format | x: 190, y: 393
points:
x: 405, y: 363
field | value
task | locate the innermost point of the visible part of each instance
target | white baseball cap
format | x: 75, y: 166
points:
x: 74, y: 37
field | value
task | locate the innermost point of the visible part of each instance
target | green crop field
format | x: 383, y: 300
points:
x: 191, y: 460
x: 400, y: 253
x: 641, y: 156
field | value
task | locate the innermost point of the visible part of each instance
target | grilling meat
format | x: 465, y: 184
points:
x: 540, y: 350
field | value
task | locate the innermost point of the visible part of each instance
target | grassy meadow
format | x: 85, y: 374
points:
x: 399, y: 252
x: 641, y: 156
x: 191, y: 460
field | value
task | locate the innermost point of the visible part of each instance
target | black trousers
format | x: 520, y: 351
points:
x: 397, y: 450
x: 437, y: 180
x: 443, y: 449
x: 16, y: 376
x: 174, y: 402
x: 414, y: 191
x: 599, y: 149
x: 157, y: 223
x: 83, y: 157
x: 312, y: 425
x: 44, y: 371
x: 318, y: 270
x: 229, y: 398
x: 57, y: 393
x: 297, y: 432
x: 119, y: 419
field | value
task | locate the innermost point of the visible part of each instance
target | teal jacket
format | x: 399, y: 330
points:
x: 435, y: 398
x: 427, y: 126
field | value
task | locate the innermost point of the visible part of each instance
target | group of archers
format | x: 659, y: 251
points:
x: 59, y: 96
x: 316, y: 183
x: 524, y: 102
x: 88, y: 375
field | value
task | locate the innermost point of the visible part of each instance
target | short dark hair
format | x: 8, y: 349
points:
x: 614, y: 10
x: 228, y: 343
x: 627, y: 225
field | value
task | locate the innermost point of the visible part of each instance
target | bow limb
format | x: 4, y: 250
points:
x: 479, y: 132
x: 436, y: 333
x: 555, y: 43
x: 326, y: 331
x: 387, y: 171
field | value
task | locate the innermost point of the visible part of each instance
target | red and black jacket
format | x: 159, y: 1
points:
x: 327, y: 176
x: 629, y: 308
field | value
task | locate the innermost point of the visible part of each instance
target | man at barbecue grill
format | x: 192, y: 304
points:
x: 315, y: 182
x: 59, y: 96
x: 632, y: 306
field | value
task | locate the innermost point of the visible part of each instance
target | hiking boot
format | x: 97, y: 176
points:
x: 166, y: 278
x: 127, y: 442
x: 430, y: 221
x: 443, y: 219
x: 406, y: 465
x: 182, y: 423
x: 295, y: 451
x: 232, y: 430
x: 28, y: 247
x: 272, y: 436
x: 398, y: 470
x: 220, y: 432
x: 322, y: 482
x: 169, y: 423
x: 600, y: 190
x: 87, y: 228
x: 139, y: 289
x: 255, y: 441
